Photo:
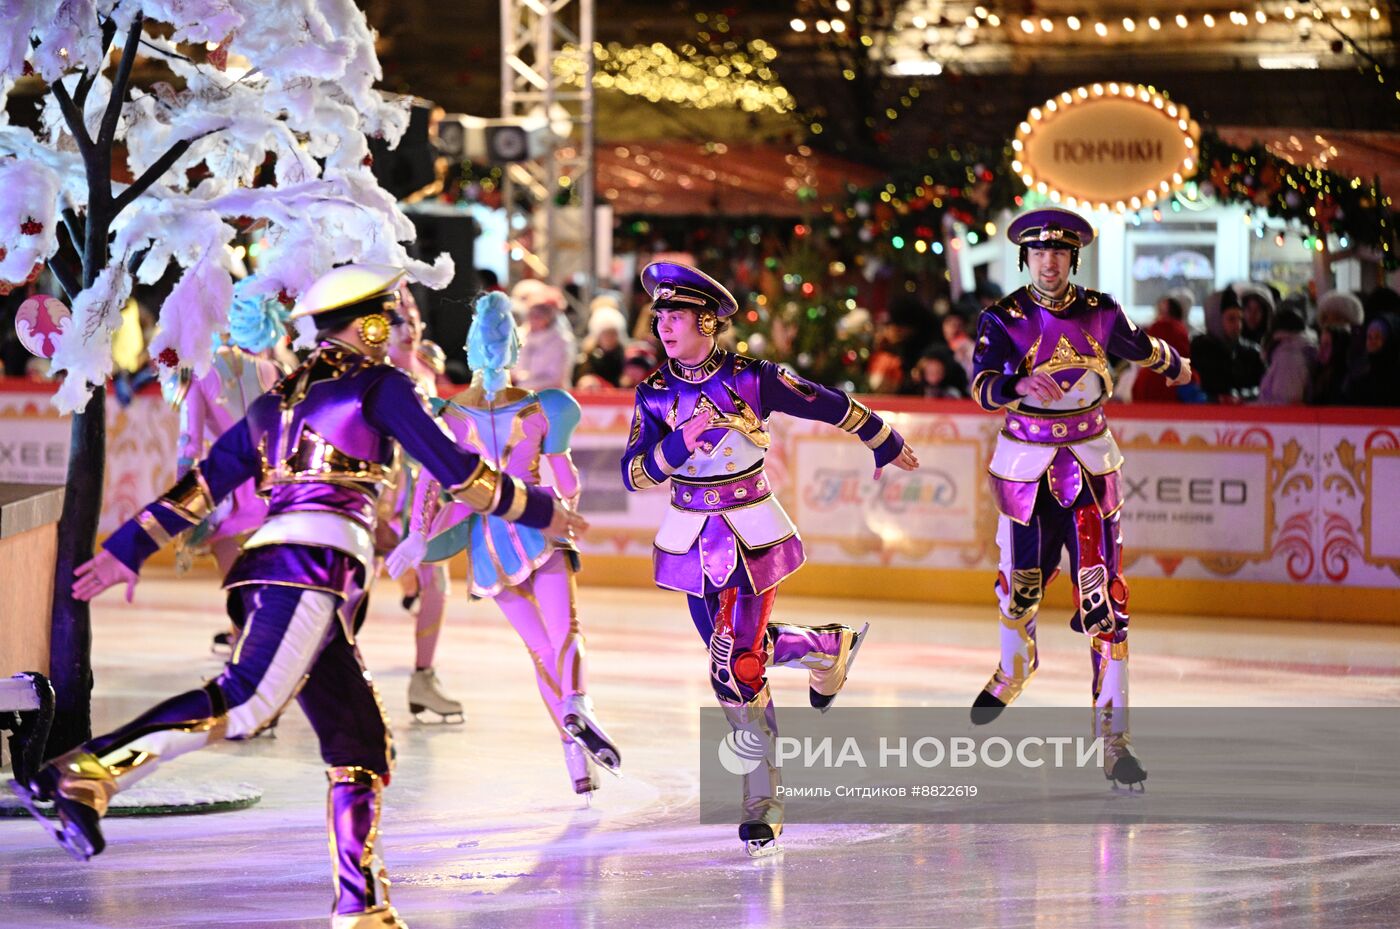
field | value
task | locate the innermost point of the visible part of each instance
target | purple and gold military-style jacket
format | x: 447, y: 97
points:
x: 1068, y: 442
x: 724, y: 527
x: 322, y: 445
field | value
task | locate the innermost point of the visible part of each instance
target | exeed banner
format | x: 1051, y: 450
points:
x: 1178, y: 501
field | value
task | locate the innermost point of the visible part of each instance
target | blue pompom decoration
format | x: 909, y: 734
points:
x: 493, y: 347
x: 256, y: 322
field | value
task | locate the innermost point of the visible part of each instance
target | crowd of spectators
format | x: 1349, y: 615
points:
x: 1258, y: 348
x: 1255, y: 347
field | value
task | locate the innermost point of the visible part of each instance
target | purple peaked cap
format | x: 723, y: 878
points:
x: 1051, y: 227
x: 674, y: 286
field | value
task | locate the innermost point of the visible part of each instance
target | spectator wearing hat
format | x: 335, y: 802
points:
x: 547, y: 349
x: 1377, y: 380
x: 603, y: 349
x: 1257, y: 302
x: 1292, y: 359
x: 1230, y: 366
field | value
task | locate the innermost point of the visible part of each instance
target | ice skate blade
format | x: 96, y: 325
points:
x: 75, y: 844
x: 827, y: 702
x: 1131, y: 787
x: 595, y: 745
x: 428, y: 717
x: 762, y: 848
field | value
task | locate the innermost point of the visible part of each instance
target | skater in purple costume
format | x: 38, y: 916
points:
x: 321, y: 444
x: 701, y: 422
x: 1042, y: 358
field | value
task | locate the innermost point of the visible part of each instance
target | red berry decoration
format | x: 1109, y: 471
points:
x: 169, y: 358
x: 31, y: 226
x: 3, y: 252
x: 367, y: 161
x: 285, y: 298
x: 28, y: 69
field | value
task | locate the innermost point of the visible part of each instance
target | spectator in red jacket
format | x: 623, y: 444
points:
x: 1170, y: 327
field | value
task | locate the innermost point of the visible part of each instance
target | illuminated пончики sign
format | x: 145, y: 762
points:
x: 1110, y: 146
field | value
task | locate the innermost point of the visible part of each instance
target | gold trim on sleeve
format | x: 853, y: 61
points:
x: 1163, y: 355
x: 190, y: 498
x: 1155, y: 358
x: 658, y: 458
x: 640, y: 479
x: 481, y: 491
x: 857, y: 415
x: 152, y: 527
x: 878, y: 438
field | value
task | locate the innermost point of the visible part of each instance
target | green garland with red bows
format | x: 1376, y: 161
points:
x: 1321, y: 201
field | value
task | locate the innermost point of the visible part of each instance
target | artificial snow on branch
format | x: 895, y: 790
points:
x: 289, y: 84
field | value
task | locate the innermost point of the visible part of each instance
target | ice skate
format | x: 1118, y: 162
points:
x: 1121, y: 765
x: 79, y: 786
x: 362, y: 884
x: 835, y: 678
x: 756, y: 722
x: 996, y: 696
x: 579, y: 722
x: 425, y: 695
x: 1018, y: 654
x: 268, y: 731
x: 580, y: 767
x: 760, y: 838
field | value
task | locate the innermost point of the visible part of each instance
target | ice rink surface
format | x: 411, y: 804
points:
x: 481, y: 828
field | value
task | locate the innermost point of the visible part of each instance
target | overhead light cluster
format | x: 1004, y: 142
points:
x: 739, y: 76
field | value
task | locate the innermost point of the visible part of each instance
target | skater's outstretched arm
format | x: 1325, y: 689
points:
x: 231, y: 461
x: 427, y: 499
x: 396, y: 408
x: 1129, y: 342
x: 782, y: 391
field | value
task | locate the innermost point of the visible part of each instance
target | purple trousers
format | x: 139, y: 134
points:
x: 291, y: 644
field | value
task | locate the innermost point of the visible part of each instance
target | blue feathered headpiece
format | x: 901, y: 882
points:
x: 256, y: 322
x: 493, y: 347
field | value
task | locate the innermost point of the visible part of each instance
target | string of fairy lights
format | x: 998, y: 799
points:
x: 979, y: 17
x: 733, y: 74
x: 925, y: 36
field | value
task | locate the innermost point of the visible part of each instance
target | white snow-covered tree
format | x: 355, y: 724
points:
x: 261, y: 119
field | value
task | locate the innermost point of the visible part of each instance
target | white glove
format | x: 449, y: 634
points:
x: 407, y: 555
